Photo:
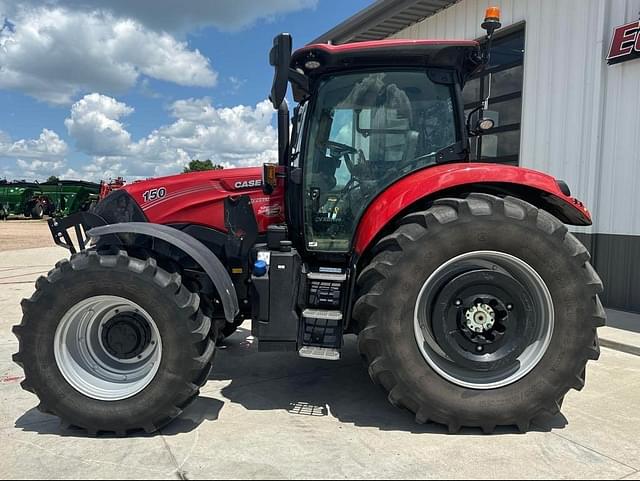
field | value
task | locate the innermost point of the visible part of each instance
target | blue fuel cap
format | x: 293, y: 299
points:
x: 259, y: 268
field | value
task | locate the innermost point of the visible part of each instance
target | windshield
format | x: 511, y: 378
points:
x: 367, y: 130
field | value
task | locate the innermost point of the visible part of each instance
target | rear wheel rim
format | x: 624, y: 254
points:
x: 484, y: 320
x: 108, y: 348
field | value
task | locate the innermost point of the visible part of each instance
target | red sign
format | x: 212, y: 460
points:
x: 625, y: 44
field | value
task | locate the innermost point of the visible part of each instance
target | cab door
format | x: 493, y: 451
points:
x: 366, y: 130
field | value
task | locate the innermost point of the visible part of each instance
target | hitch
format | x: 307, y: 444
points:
x: 81, y: 222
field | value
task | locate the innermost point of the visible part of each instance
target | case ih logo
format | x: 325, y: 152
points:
x: 625, y: 44
x: 246, y: 184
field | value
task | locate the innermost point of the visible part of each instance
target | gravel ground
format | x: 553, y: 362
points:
x: 24, y: 234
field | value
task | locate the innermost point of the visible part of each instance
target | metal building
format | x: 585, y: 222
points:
x: 565, y: 89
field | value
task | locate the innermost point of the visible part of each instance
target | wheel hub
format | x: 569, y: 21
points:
x: 480, y: 318
x: 108, y: 348
x: 126, y: 335
x: 484, y: 319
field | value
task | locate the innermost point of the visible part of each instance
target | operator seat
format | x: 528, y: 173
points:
x: 393, y: 140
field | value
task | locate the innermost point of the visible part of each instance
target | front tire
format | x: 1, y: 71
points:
x: 479, y: 312
x: 111, y: 343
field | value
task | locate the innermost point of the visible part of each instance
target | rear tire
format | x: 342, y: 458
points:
x: 184, y: 334
x: 391, y: 295
x: 37, y: 211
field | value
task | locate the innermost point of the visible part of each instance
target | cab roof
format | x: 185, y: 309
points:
x: 457, y: 54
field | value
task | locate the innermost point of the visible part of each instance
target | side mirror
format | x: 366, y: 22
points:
x: 280, y: 59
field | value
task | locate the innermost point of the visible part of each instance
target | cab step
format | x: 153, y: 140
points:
x: 322, y: 353
x: 325, y: 290
x: 328, y: 314
x: 326, y: 276
x: 321, y: 334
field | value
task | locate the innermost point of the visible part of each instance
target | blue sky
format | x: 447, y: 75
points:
x: 94, y: 89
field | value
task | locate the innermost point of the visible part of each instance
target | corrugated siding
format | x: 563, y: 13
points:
x: 620, y: 186
x: 581, y: 117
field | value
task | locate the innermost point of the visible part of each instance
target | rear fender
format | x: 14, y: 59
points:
x: 424, y: 186
x: 191, y: 246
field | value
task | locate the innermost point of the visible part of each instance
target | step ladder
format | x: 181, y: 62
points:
x: 321, y: 326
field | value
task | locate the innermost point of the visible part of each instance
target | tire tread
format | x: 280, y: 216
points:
x: 374, y: 277
x: 189, y: 302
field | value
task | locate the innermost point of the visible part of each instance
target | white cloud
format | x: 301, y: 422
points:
x: 54, y: 54
x: 33, y: 158
x: 181, y: 16
x: 239, y: 136
x: 232, y: 136
x: 48, y: 146
x: 42, y: 167
x: 95, y: 125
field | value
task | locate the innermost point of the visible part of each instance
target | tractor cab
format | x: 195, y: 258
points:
x: 368, y: 115
x: 372, y: 114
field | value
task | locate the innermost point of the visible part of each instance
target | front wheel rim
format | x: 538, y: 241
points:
x: 459, y: 313
x: 108, y: 348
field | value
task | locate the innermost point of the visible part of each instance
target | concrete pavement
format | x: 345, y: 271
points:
x: 279, y: 416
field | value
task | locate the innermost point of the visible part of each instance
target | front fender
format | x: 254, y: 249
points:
x: 191, y: 246
x: 535, y: 187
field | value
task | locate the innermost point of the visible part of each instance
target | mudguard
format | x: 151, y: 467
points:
x: 535, y: 187
x: 190, y: 246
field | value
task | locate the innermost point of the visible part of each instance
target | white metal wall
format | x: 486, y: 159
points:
x: 581, y: 117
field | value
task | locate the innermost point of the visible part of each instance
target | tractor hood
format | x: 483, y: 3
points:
x: 199, y: 197
x: 227, y: 179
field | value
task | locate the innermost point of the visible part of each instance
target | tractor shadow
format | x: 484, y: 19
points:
x: 201, y: 410
x: 285, y: 382
x: 307, y: 387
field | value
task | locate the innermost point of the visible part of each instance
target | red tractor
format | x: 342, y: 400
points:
x: 107, y: 187
x: 473, y: 304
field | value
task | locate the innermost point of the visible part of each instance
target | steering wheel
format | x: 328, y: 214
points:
x: 338, y: 150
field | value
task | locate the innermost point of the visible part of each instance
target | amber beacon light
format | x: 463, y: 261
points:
x: 492, y: 13
x: 492, y: 20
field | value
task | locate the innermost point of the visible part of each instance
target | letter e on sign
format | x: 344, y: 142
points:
x: 625, y: 44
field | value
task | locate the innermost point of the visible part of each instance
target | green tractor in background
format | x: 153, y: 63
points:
x: 20, y: 198
x: 66, y: 197
x: 54, y: 198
